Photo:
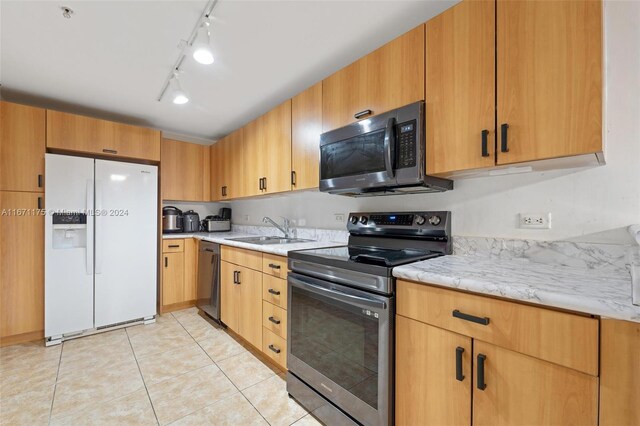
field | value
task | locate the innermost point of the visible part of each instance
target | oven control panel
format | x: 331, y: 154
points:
x: 424, y: 223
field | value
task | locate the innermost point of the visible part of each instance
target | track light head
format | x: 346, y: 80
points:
x: 201, y: 46
x: 178, y: 96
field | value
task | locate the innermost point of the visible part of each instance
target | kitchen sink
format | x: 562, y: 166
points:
x: 269, y: 240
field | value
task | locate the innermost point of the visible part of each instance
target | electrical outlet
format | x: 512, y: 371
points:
x: 535, y: 220
x: 339, y: 217
x: 246, y: 218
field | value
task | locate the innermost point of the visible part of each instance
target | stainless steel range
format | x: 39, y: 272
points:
x: 340, y: 352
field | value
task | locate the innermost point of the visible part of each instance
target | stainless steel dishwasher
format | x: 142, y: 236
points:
x: 209, y: 279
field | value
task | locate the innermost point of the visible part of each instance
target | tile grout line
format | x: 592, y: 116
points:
x: 225, y: 374
x: 142, y: 377
x: 55, y: 384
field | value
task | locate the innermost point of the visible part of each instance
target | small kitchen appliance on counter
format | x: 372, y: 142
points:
x: 191, y: 221
x: 171, y: 220
x: 218, y: 223
x: 341, y: 309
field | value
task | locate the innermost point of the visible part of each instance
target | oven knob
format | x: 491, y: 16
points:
x: 420, y: 220
x: 363, y: 220
x: 354, y: 220
x: 435, y: 220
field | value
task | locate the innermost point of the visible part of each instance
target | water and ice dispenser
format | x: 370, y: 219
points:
x: 69, y: 230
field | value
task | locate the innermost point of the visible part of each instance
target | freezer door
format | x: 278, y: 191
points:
x: 126, y: 241
x: 68, y: 262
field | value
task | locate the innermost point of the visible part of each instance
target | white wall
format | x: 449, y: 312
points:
x: 590, y: 205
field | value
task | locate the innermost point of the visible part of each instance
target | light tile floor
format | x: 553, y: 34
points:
x: 182, y: 370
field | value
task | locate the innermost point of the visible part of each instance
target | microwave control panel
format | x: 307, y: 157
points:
x: 406, y: 144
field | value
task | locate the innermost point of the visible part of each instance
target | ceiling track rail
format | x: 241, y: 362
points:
x: 186, y: 44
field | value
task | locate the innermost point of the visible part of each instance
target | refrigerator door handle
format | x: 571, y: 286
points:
x: 98, y: 219
x: 89, y: 212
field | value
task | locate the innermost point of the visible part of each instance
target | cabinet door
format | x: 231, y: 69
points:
x: 217, y: 162
x: 190, y: 269
x: 428, y: 389
x: 233, y: 157
x: 389, y: 77
x: 184, y: 171
x: 71, y: 132
x: 460, y: 88
x: 253, y: 158
x: 21, y: 264
x: 22, y: 146
x: 306, y: 127
x: 172, y: 278
x: 229, y: 296
x: 250, y: 305
x: 522, y: 388
x: 549, y: 59
x: 619, y: 373
x: 277, y: 149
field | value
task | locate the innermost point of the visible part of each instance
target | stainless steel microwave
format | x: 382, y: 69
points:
x: 380, y: 155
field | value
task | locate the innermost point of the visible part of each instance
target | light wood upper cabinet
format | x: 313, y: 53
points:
x: 619, y: 373
x: 253, y: 157
x: 428, y: 389
x: 521, y: 388
x: 22, y: 147
x: 306, y: 127
x: 216, y: 162
x: 21, y: 266
x: 185, y: 171
x: 77, y: 133
x: 276, y: 161
x: 460, y: 88
x: 234, y: 168
x: 387, y: 78
x: 549, y: 59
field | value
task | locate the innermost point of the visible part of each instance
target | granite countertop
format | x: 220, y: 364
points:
x: 278, y: 249
x: 604, y: 293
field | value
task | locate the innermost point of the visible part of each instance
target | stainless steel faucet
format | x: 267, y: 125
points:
x: 285, y: 228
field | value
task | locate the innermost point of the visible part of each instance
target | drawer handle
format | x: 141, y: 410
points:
x: 481, y: 384
x: 359, y: 115
x: 459, y: 374
x: 275, y: 292
x: 478, y: 320
x: 174, y: 245
x: 110, y: 151
x: 274, y: 320
x: 273, y: 348
x: 274, y: 266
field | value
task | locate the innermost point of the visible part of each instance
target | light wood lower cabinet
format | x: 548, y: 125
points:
x: 447, y: 372
x: 21, y: 267
x: 428, y: 390
x: 619, y: 373
x: 179, y: 273
x: 510, y: 388
x: 241, y: 301
x: 275, y: 347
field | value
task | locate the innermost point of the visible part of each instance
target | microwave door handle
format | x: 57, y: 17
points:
x: 389, y: 139
x: 361, y: 302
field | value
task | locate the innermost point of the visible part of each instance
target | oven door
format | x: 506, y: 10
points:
x: 340, y: 343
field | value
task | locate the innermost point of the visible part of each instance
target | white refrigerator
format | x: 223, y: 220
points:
x: 101, y: 244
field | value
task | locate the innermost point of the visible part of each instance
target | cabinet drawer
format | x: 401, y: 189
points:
x: 274, y: 265
x: 275, y: 347
x: 274, y: 290
x: 249, y: 258
x: 172, y: 246
x: 559, y: 337
x: 274, y: 319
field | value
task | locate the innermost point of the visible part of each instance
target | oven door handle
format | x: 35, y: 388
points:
x: 362, y: 302
x: 389, y: 140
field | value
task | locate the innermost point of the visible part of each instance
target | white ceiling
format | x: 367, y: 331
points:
x: 112, y: 57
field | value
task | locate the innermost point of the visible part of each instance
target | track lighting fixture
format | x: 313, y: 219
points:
x: 199, y: 45
x: 202, y: 44
x: 178, y: 96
